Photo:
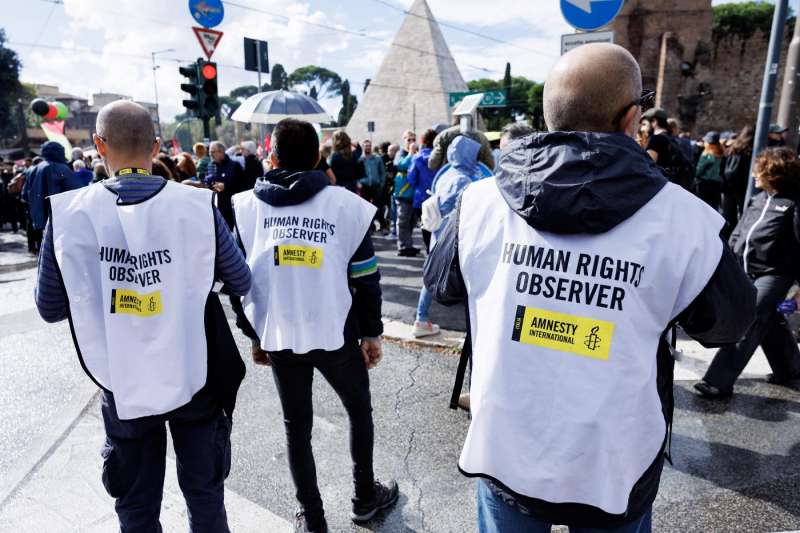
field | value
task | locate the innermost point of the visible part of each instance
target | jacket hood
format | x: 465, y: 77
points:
x: 462, y: 154
x: 282, y: 187
x: 577, y: 182
x: 54, y: 152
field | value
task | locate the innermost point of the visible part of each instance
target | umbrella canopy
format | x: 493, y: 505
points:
x: 273, y: 106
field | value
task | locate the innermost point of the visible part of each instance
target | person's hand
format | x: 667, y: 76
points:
x: 260, y: 357
x: 371, y: 351
x: 218, y: 186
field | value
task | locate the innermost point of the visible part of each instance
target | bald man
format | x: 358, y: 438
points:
x: 575, y: 260
x: 115, y: 261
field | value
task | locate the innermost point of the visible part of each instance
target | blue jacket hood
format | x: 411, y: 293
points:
x: 54, y: 152
x: 462, y: 154
x: 282, y: 187
x: 577, y: 182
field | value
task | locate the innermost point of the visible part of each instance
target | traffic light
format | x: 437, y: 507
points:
x: 207, y: 80
x: 193, y: 105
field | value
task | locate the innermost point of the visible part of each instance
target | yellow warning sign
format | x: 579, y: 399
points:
x: 131, y: 302
x: 295, y: 255
x: 584, y: 336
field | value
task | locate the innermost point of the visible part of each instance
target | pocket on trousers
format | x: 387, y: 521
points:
x: 223, y: 446
x: 114, y: 478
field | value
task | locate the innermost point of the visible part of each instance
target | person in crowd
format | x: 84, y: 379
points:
x: 708, y: 176
x: 83, y: 176
x: 252, y: 166
x: 316, y: 295
x: 187, y: 170
x: 403, y: 196
x: 203, y: 159
x: 372, y: 184
x: 530, y: 243
x: 513, y: 131
x: 225, y: 177
x: 735, y: 176
x: 325, y: 151
x: 76, y: 155
x: 158, y: 168
x: 685, y: 143
x: 99, y: 171
x: 169, y: 163
x: 51, y: 176
x: 664, y: 148
x: 438, y: 157
x: 776, y: 135
x: 767, y: 244
x: 391, y: 172
x: 173, y: 358
x: 344, y: 161
x: 420, y: 177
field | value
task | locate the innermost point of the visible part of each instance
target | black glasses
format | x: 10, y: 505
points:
x: 646, y: 101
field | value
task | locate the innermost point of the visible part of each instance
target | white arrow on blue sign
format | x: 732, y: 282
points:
x: 589, y: 15
x: 207, y: 13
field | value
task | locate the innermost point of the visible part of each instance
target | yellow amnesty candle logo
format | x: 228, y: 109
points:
x: 579, y: 335
x: 295, y: 255
x: 132, y: 303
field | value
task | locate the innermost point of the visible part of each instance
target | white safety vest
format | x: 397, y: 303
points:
x: 565, y: 330
x: 299, y: 256
x: 137, y: 278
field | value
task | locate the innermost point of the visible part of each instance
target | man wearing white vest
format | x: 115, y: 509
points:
x: 575, y: 260
x: 315, y: 295
x: 115, y: 262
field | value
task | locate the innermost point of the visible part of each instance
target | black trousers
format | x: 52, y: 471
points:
x: 374, y: 195
x: 134, y: 461
x: 770, y: 330
x: 709, y: 191
x: 346, y: 372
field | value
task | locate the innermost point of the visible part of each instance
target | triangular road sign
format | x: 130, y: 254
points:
x: 209, y: 39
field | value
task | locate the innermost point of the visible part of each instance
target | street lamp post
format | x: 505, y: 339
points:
x: 155, y: 84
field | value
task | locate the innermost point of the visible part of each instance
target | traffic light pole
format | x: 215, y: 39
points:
x: 206, y: 130
x: 768, y: 88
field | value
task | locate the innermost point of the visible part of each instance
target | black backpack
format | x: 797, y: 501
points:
x: 677, y: 168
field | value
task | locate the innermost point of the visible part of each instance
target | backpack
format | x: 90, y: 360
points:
x: 678, y: 169
x: 431, y: 215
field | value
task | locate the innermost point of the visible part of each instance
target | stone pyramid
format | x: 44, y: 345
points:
x: 410, y: 90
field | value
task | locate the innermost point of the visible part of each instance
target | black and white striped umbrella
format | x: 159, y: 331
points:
x: 272, y: 106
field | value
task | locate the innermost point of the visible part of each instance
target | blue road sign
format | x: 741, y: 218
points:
x: 590, y: 15
x: 207, y: 13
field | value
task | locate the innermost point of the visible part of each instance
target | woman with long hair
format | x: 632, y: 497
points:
x: 344, y: 161
x: 767, y: 240
x: 708, y: 176
x: 735, y: 176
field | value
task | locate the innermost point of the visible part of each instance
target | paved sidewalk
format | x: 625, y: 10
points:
x: 14, y: 254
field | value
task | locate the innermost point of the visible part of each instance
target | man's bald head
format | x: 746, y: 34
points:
x: 126, y: 128
x: 589, y: 86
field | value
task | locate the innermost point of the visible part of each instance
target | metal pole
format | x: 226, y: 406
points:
x: 259, y: 132
x: 768, y: 86
x: 155, y: 91
x: 787, y: 108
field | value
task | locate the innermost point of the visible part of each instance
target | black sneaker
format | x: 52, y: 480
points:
x: 408, y: 252
x: 776, y: 380
x: 301, y: 525
x: 385, y: 496
x: 707, y: 390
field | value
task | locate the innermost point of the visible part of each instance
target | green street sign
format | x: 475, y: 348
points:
x: 496, y: 98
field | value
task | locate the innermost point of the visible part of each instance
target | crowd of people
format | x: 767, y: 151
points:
x: 576, y: 251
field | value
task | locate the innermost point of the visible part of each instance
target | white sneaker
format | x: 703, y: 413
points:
x: 424, y: 329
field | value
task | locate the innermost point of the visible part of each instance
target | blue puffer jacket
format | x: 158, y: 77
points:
x: 51, y: 176
x: 420, y: 176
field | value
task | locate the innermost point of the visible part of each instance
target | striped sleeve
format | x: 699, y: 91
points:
x: 359, y: 269
x: 50, y: 294
x: 230, y: 264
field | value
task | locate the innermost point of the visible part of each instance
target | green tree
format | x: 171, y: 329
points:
x: 536, y: 107
x: 326, y: 83
x: 278, y: 77
x: 743, y: 19
x: 349, y: 104
x: 244, y: 92
x: 10, y: 89
x: 518, y: 100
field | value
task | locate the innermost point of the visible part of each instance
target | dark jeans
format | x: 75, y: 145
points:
x: 134, y: 460
x: 34, y: 238
x: 770, y: 330
x: 709, y: 191
x: 346, y: 372
x: 374, y: 195
x: 426, y: 235
x: 731, y: 207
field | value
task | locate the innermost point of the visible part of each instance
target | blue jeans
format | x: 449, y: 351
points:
x: 496, y: 516
x: 424, y: 304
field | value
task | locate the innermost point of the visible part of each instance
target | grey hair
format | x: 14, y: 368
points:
x: 217, y: 144
x: 78, y: 165
x: 515, y: 130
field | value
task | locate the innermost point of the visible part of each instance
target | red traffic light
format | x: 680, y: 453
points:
x: 209, y: 71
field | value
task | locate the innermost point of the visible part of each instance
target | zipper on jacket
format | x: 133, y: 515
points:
x: 750, y: 233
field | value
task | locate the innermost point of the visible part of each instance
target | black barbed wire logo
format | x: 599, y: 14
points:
x: 313, y: 257
x: 593, y: 340
x: 153, y: 304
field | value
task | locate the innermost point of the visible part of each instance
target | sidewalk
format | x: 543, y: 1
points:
x: 14, y: 254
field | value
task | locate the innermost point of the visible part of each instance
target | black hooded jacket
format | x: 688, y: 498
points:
x: 587, y: 183
x: 282, y: 188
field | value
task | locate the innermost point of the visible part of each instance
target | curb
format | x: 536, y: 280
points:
x: 5, y: 269
x: 396, y: 331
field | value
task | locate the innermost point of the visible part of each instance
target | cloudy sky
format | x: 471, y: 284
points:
x: 88, y: 46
